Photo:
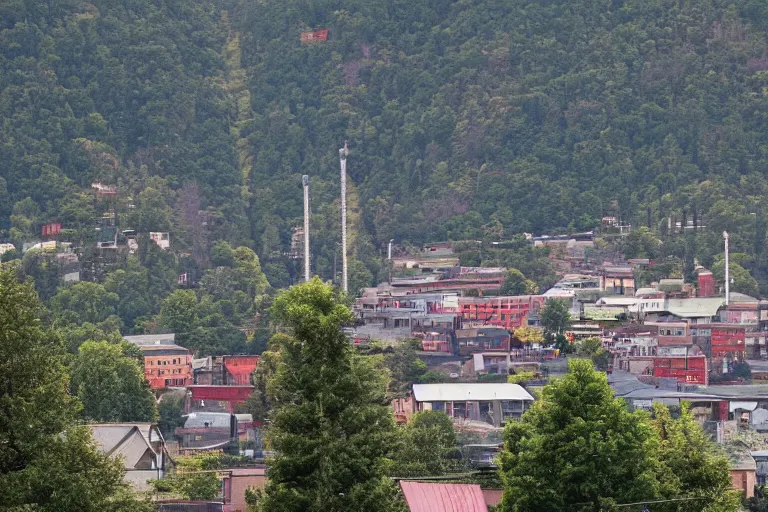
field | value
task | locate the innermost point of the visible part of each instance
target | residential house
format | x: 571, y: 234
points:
x: 203, y: 431
x: 743, y: 468
x: 165, y: 363
x: 140, y: 446
x: 690, y: 369
x: 761, y: 466
x: 485, y: 402
x: 617, y: 280
x: 236, y: 481
x: 482, y: 339
x: 509, y: 312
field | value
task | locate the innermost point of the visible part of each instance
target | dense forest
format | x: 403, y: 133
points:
x: 465, y: 121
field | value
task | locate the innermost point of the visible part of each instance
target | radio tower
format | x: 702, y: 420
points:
x: 305, y: 182
x: 727, y: 271
x: 343, y: 158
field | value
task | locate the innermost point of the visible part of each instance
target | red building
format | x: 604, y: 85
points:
x: 506, y: 312
x: 165, y: 363
x: 706, y: 284
x: 688, y: 369
x: 233, y: 395
x: 238, y: 369
x: 728, y: 342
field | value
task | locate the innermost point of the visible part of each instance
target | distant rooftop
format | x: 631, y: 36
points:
x: 469, y: 392
x: 151, y: 339
x: 695, y: 307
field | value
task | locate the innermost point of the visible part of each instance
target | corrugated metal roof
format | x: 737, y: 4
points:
x: 213, y: 419
x: 151, y: 339
x: 469, y: 392
x: 428, y: 497
x: 695, y: 308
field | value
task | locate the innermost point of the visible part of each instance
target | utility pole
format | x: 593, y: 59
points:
x: 727, y: 271
x: 343, y: 158
x: 389, y: 250
x: 305, y: 183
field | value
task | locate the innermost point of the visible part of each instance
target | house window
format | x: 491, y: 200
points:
x: 511, y: 409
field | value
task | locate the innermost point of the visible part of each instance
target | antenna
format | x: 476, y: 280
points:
x: 727, y: 271
x: 343, y: 158
x: 305, y: 182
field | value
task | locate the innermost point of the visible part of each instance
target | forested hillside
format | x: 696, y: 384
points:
x: 483, y: 119
x: 466, y: 121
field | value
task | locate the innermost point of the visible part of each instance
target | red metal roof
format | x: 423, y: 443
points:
x: 427, y: 497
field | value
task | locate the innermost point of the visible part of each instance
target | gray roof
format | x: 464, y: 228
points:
x: 695, y: 307
x: 741, y: 297
x: 204, y: 363
x: 126, y: 440
x: 213, y: 419
x: 737, y: 391
x: 740, y: 457
x: 627, y: 385
x: 151, y: 339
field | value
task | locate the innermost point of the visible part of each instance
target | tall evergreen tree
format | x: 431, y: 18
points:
x: 578, y: 449
x: 329, y: 425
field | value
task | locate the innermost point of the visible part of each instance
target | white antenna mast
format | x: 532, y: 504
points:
x: 305, y: 182
x: 343, y: 158
x: 727, y: 271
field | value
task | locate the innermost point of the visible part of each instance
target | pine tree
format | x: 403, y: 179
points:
x: 328, y: 425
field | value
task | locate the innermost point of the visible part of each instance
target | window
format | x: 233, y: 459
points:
x: 511, y: 409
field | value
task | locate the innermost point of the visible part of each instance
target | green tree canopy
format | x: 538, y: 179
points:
x: 427, y: 446
x: 178, y: 311
x: 84, y: 302
x: 515, y: 283
x: 741, y: 280
x: 47, y: 463
x: 328, y: 425
x: 578, y: 447
x: 556, y: 316
x: 111, y: 384
x: 692, y: 464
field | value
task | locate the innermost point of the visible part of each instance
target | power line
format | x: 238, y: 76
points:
x: 671, y: 500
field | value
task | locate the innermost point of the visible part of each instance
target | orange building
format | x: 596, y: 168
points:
x: 165, y: 363
x: 167, y: 366
x: 507, y: 312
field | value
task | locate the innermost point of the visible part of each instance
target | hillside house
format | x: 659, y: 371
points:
x: 482, y: 339
x: 486, y: 402
x: 165, y: 363
x: 140, y: 446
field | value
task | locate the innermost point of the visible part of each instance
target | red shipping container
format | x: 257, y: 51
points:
x: 317, y: 35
